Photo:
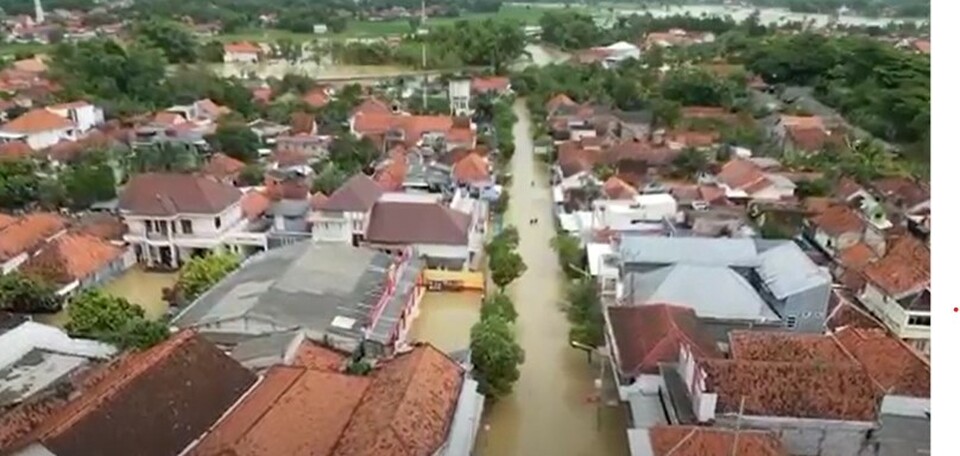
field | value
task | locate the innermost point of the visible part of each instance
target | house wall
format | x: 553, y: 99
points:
x: 14, y: 263
x: 240, y: 57
x: 85, y: 117
x: 338, y: 226
x: 895, y: 317
x: 44, y: 139
x: 808, y: 437
x: 772, y: 193
x: 205, y: 234
x: 108, y: 272
x: 810, y: 308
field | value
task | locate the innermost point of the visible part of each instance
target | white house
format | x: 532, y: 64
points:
x: 84, y: 115
x: 625, y: 215
x: 39, y: 128
x: 459, y: 94
x: 344, y: 215
x: 170, y: 217
x: 242, y: 52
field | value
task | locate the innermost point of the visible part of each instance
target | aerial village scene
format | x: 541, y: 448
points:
x: 465, y: 227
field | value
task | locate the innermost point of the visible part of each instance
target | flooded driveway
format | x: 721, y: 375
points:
x: 551, y: 411
x: 446, y: 318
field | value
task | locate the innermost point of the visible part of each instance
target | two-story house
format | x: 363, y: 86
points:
x: 343, y: 216
x: 39, y: 128
x: 171, y: 217
x: 439, y: 234
x: 84, y: 115
x: 897, y: 291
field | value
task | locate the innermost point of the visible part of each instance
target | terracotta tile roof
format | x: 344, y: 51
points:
x: 285, y: 158
x: 803, y: 121
x: 460, y: 136
x: 922, y: 46
x: 843, y: 312
x: 709, y: 441
x: 167, y: 118
x: 293, y: 411
x: 153, y: 402
x: 15, y: 150
x: 171, y: 194
x: 372, y: 106
x: 712, y: 194
x: 744, y: 175
x: 317, y: 357
x: 857, y: 256
x: 406, y: 223
x: 254, y: 204
x: 407, y: 408
x: 262, y: 94
x: 104, y: 226
x: 71, y: 257
x: 31, y: 65
x: 36, y: 121
x: 694, y: 138
x: 809, y: 139
x: 648, y: 335
x: 905, y: 268
x: 490, y: 83
x: 616, y: 188
x: 212, y: 109
x: 894, y: 366
x: 902, y: 191
x: 796, y: 390
x: 316, y: 98
x: 7, y: 220
x: 29, y: 232
x: 301, y: 122
x: 471, y: 169
x: 242, y: 47
x: 317, y: 200
x: 358, y: 194
x: 816, y: 205
x: 414, y: 127
x: 223, y: 166
x: 557, y: 101
x: 839, y: 219
x: 573, y: 160
x: 786, y: 347
x: 392, y: 172
x: 640, y: 152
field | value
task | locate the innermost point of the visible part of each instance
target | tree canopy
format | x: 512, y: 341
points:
x: 177, y: 43
x: 237, y: 140
x: 19, y: 293
x: 201, y: 273
x: 496, y: 356
x: 95, y: 314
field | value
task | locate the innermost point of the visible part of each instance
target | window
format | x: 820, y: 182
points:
x: 919, y: 320
x: 148, y: 225
x: 216, y: 222
x: 186, y: 226
x: 791, y: 321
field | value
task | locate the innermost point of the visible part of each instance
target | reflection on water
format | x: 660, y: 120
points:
x: 142, y: 288
x: 445, y: 320
x: 552, y: 410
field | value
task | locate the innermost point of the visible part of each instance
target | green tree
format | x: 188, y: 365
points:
x: 505, y: 267
x: 496, y: 356
x: 201, y: 273
x: 352, y: 155
x: 176, y: 42
x: 237, y: 140
x: 570, y: 30
x: 90, y: 180
x: 19, y: 293
x: 585, y: 312
x: 211, y: 52
x: 328, y: 179
x: 498, y: 305
x: 690, y: 163
x: 569, y: 253
x: 163, y: 157
x: 95, y: 314
x: 19, y: 184
x: 251, y: 175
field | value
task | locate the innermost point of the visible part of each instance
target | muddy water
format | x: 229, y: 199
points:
x: 550, y: 411
x: 142, y: 288
x: 445, y: 320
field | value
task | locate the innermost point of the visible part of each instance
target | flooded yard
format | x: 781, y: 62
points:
x: 446, y: 318
x: 140, y: 287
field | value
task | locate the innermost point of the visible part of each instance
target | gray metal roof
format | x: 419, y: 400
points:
x: 712, y: 291
x: 301, y: 286
x: 265, y: 351
x: 786, y: 271
x: 688, y: 250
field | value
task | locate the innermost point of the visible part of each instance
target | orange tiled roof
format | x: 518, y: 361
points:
x: 262, y: 94
x: 254, y: 204
x: 317, y: 200
x: 6, y: 220
x: 616, y: 188
x: 695, y: 138
x: 905, y: 267
x: 857, y: 256
x: 36, y: 121
x: 810, y: 139
x: 223, y: 166
x: 167, y: 118
x: 922, y: 46
x: 711, y: 441
x: 242, y: 47
x: 71, y: 257
x: 317, y: 357
x: 15, y: 150
x: 28, y: 233
x: 490, y: 83
x: 839, y: 219
x: 471, y: 169
x: 648, y: 335
x: 803, y: 121
x: 779, y: 346
x: 744, y: 175
x: 846, y: 313
x: 894, y: 366
x: 316, y: 98
x: 372, y: 106
x: 559, y: 100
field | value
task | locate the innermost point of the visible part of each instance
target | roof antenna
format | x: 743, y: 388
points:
x: 736, y: 432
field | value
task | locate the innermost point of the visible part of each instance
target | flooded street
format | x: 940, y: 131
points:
x: 446, y: 318
x: 142, y: 288
x: 550, y: 411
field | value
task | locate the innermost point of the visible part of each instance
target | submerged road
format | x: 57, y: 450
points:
x: 550, y: 411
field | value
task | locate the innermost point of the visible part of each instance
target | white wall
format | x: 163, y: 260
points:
x: 44, y: 139
x: 231, y: 57
x: 338, y: 226
x: 14, y: 263
x: 443, y: 251
x: 892, y: 315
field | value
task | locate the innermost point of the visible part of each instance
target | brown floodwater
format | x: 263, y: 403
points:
x: 140, y: 287
x: 552, y: 410
x: 446, y: 318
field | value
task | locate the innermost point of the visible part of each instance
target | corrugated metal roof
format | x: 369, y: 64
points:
x: 688, y: 250
x: 786, y: 271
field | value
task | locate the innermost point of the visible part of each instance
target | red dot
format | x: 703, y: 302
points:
x: 955, y: 309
